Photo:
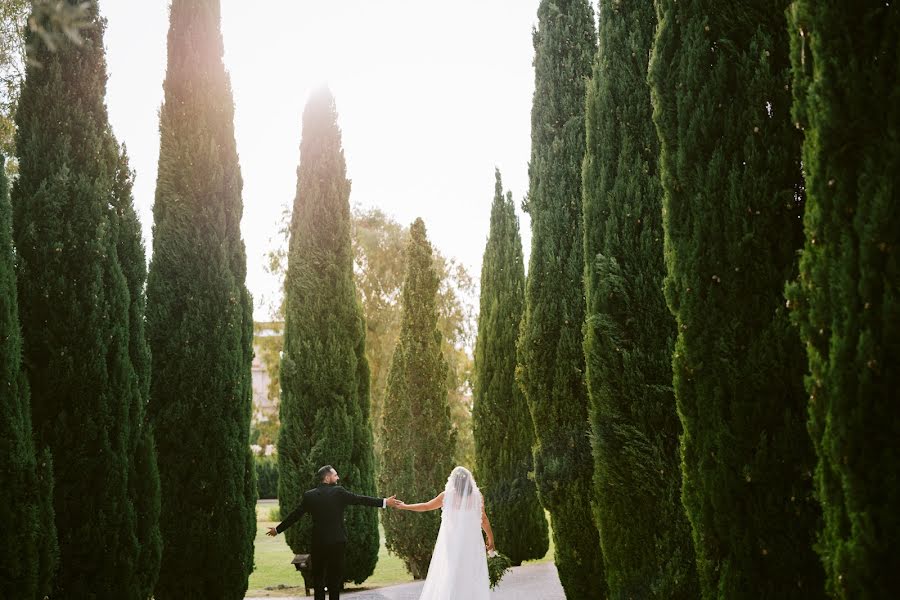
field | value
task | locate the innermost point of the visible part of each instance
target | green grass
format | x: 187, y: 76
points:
x: 275, y: 576
x: 274, y: 569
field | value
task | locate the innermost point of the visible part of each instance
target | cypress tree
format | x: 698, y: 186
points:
x: 143, y: 479
x: 729, y: 164
x: 418, y: 441
x: 846, y: 68
x: 324, y: 371
x: 551, y: 356
x: 629, y: 332
x: 199, y: 323
x: 76, y: 316
x: 27, y: 554
x: 504, y: 432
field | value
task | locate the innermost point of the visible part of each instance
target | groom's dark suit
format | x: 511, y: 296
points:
x: 326, y: 504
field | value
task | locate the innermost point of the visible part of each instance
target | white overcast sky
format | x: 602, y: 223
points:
x: 431, y: 96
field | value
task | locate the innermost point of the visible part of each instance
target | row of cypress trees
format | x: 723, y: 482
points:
x: 143, y: 461
x: 695, y: 204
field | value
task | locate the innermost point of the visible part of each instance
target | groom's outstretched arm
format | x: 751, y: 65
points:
x: 292, y: 518
x: 356, y: 499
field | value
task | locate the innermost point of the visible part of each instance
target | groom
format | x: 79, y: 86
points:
x: 326, y: 505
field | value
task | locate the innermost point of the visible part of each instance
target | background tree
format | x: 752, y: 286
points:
x: 268, y: 341
x: 416, y: 432
x: 732, y: 203
x: 379, y: 243
x: 629, y: 332
x: 456, y: 322
x: 13, y: 19
x: 75, y: 313
x: 199, y: 322
x: 550, y: 350
x: 28, y: 550
x: 504, y: 431
x: 143, y: 481
x: 324, y: 372
x: 847, y: 299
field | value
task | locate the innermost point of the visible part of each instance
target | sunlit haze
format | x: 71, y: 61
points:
x: 430, y: 97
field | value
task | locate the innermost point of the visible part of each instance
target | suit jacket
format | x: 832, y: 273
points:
x: 326, y: 504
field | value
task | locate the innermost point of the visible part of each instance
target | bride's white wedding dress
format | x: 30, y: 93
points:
x: 458, y: 569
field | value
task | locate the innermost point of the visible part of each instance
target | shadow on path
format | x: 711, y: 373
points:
x: 529, y: 582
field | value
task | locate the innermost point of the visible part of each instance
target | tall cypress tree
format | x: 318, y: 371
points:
x: 629, y: 332
x: 550, y: 349
x: 76, y: 316
x: 729, y: 163
x: 504, y: 432
x: 846, y: 69
x: 28, y: 550
x: 143, y: 481
x: 324, y: 371
x: 199, y: 323
x: 417, y: 436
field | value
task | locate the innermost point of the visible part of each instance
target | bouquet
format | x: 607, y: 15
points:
x: 498, y: 565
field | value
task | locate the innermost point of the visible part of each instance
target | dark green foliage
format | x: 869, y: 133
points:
x: 199, y: 323
x: 79, y: 299
x: 28, y: 548
x: 143, y: 481
x: 266, y: 476
x: 550, y: 350
x: 729, y: 163
x: 498, y: 566
x: 418, y: 441
x: 324, y: 373
x: 629, y: 332
x: 847, y: 100
x: 504, y: 432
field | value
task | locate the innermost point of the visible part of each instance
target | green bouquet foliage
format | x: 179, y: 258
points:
x: 498, y: 566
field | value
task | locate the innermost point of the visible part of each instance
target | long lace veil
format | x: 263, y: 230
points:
x: 461, y: 492
x: 458, y: 565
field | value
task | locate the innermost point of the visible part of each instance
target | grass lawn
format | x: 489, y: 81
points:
x: 275, y: 576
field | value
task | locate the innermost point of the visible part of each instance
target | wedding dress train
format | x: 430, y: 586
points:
x: 458, y: 569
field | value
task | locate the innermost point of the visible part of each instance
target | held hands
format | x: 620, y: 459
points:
x: 272, y: 531
x: 392, y: 502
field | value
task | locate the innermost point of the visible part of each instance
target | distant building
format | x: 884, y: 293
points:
x: 266, y: 349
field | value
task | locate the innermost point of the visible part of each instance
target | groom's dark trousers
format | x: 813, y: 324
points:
x: 328, y: 569
x: 326, y: 504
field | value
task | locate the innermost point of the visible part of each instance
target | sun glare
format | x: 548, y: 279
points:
x: 429, y: 101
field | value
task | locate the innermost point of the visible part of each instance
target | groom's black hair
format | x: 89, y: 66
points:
x: 322, y: 472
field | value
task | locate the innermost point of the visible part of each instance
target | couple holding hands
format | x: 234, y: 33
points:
x: 458, y: 566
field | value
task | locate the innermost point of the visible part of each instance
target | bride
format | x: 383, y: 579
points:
x: 458, y: 569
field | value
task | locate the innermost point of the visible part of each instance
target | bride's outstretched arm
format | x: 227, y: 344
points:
x: 486, y: 525
x: 432, y: 504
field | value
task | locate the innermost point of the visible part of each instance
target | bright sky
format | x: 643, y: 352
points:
x: 430, y: 96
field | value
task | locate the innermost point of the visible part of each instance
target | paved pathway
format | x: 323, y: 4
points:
x: 529, y: 582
